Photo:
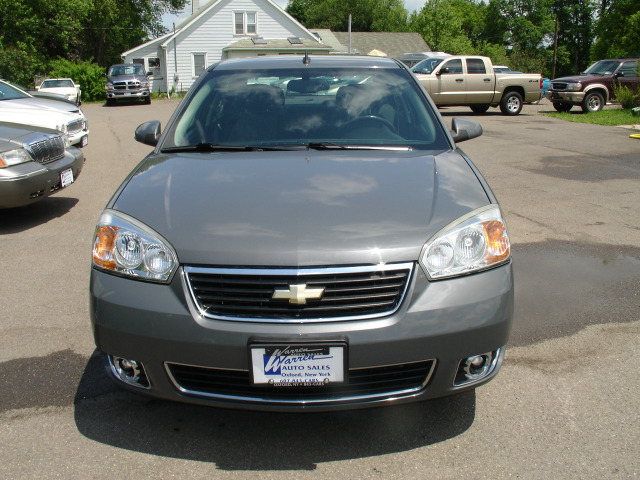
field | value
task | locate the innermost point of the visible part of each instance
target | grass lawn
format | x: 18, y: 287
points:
x: 612, y: 117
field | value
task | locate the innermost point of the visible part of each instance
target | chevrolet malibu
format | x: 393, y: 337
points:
x: 305, y: 235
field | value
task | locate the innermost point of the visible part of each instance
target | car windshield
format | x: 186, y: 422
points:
x: 56, y: 84
x: 427, y: 66
x: 126, y: 70
x: 7, y: 92
x: 321, y: 107
x: 603, y: 67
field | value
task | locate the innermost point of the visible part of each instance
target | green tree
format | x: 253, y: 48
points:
x: 618, y: 30
x: 366, y: 15
x: 441, y: 22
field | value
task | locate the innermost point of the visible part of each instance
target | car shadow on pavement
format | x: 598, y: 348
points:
x: 246, y: 440
x: 15, y: 220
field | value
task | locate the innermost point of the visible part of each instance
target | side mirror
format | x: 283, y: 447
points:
x: 464, y: 129
x: 149, y: 74
x: 619, y: 74
x: 148, y: 133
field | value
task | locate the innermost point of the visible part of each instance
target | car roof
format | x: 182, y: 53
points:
x: 295, y: 61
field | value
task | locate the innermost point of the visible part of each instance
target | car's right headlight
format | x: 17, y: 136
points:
x: 14, y: 157
x: 125, y: 246
x: 108, y: 86
x: 473, y: 243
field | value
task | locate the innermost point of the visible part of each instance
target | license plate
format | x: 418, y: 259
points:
x: 85, y: 141
x: 298, y: 365
x: 66, y: 177
x: 126, y: 94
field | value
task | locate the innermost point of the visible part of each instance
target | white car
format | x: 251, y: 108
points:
x: 18, y: 106
x: 64, y: 87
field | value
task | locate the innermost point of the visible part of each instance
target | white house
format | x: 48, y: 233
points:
x: 221, y: 29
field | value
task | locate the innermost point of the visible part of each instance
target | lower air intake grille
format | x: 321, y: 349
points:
x: 366, y: 383
x: 295, y: 295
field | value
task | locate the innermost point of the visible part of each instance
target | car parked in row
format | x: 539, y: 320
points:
x: 593, y: 88
x: 18, y: 106
x: 65, y: 87
x: 34, y: 163
x: 305, y: 235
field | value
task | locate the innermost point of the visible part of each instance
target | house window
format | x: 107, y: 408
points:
x: 154, y: 63
x: 245, y: 23
x: 199, y: 63
x: 138, y: 61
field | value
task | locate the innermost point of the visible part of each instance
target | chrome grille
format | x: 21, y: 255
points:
x: 366, y: 383
x: 46, y: 148
x: 127, y: 85
x: 350, y: 293
x: 558, y: 86
x: 75, y: 126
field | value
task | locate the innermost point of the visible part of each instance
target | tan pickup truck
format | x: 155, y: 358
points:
x: 470, y: 81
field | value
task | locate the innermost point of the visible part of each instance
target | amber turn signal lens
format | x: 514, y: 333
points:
x: 103, y: 247
x: 498, y: 246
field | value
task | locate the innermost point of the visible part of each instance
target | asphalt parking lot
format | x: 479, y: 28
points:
x: 565, y: 405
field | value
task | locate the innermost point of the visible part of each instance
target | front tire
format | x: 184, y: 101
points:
x: 511, y: 103
x: 479, y: 108
x: 147, y: 100
x: 593, y: 102
x: 562, y: 107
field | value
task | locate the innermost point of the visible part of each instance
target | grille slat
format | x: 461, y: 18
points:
x: 369, y: 382
x: 246, y: 294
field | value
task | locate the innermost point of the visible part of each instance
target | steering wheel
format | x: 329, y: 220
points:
x: 365, y: 120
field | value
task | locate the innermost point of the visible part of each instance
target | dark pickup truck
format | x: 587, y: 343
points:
x: 593, y: 88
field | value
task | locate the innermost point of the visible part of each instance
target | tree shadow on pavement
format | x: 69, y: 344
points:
x: 237, y: 440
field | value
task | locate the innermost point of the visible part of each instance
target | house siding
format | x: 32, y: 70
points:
x: 209, y: 35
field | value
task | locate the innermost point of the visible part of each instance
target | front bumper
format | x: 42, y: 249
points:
x: 437, y: 325
x: 29, y: 182
x: 124, y: 94
x: 574, y: 98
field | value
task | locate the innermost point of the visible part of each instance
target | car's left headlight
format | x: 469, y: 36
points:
x: 127, y: 247
x: 14, y: 157
x: 474, y: 242
x: 574, y: 87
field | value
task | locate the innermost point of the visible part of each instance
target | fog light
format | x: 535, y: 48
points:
x: 129, y: 371
x: 476, y: 368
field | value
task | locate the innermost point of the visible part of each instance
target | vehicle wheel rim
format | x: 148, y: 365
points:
x: 594, y: 103
x: 513, y: 104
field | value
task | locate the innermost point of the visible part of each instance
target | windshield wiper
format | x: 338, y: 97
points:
x: 215, y: 147
x: 335, y: 146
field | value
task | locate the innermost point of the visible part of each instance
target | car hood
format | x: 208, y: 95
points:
x: 299, y: 208
x: 125, y: 78
x: 40, y: 103
x: 576, y: 78
x: 15, y: 135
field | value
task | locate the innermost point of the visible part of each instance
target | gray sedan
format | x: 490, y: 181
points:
x: 34, y: 164
x: 305, y: 235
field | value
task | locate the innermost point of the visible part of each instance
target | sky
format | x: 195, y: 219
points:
x: 169, y: 19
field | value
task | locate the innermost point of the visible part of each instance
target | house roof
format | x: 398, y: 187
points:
x: 299, y: 44
x: 394, y: 44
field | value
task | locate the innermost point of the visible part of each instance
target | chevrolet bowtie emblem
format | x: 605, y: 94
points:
x: 298, y: 294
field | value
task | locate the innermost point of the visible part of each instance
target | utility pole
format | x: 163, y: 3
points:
x: 555, y: 50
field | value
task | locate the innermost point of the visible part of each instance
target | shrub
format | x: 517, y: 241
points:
x: 627, y: 97
x: 87, y: 74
